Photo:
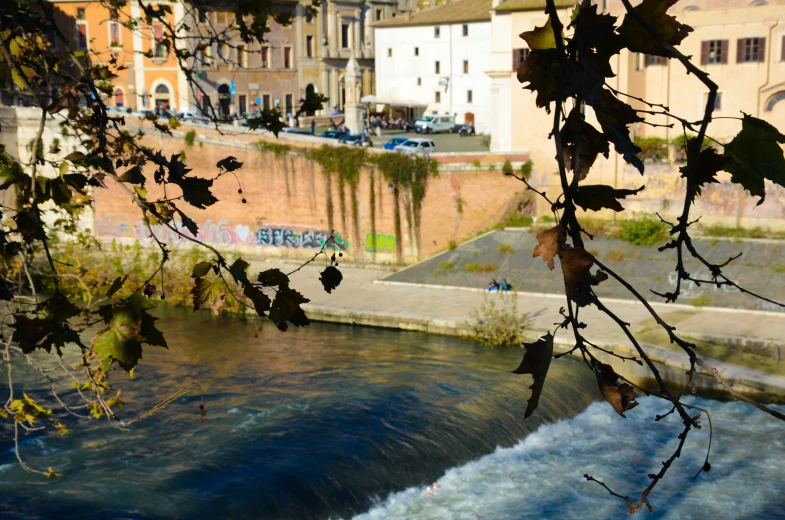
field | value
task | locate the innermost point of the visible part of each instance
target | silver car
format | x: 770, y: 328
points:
x: 416, y: 145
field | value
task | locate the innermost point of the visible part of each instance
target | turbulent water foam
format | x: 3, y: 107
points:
x: 542, y: 476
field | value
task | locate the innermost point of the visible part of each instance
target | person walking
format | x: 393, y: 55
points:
x: 313, y: 127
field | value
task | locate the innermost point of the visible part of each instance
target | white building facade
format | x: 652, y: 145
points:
x: 439, y: 57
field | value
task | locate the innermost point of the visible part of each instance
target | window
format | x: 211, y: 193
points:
x: 345, y: 36
x: 80, y: 15
x: 465, y: 66
x: 465, y: 29
x: 243, y: 102
x: 81, y: 36
x: 242, y: 57
x: 114, y: 34
x: 714, y: 51
x: 717, y: 101
x: 265, y: 57
x: 220, y: 18
x: 437, y: 32
x: 437, y: 68
x: 650, y: 60
x: 309, y: 46
x: 782, y: 51
x: 119, y: 98
x: 266, y: 101
x: 308, y: 16
x: 159, y: 49
x: 389, y: 52
x: 378, y: 14
x: 469, y: 97
x: 287, y: 57
x: 416, y: 51
x: 289, y: 104
x: 750, y: 50
x: 519, y: 57
x: 438, y: 97
x: 202, y: 15
x: 223, y: 51
x: 419, y: 82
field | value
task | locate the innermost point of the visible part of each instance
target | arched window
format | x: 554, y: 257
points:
x: 773, y: 100
x: 758, y: 3
x: 161, y: 97
x: 119, y: 98
x: 692, y: 8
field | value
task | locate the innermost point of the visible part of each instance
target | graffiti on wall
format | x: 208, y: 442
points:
x: 289, y: 238
x: 690, y: 289
x: 220, y: 233
x: 384, y: 243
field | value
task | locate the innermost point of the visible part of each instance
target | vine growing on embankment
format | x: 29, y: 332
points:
x: 567, y: 69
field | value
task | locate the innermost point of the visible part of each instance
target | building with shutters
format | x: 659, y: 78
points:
x: 151, y: 77
x: 438, y: 57
x: 740, y: 43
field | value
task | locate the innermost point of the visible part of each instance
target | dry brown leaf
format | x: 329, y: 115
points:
x: 548, y: 246
x: 620, y: 396
x: 575, y: 265
x: 536, y: 361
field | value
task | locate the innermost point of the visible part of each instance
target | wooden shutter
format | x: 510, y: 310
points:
x: 516, y: 58
x: 782, y: 50
x: 645, y: 60
x: 704, y: 53
x: 725, y: 46
x: 762, y: 49
x: 740, y: 50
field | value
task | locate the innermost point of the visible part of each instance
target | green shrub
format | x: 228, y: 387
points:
x: 470, y: 268
x: 526, y: 170
x: 452, y: 245
x: 446, y: 265
x: 700, y: 301
x: 486, y: 268
x: 497, y: 323
x: 653, y: 149
x: 507, y: 167
x: 505, y: 249
x: 645, y: 231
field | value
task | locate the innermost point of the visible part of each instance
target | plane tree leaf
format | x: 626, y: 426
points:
x: 620, y: 396
x: 593, y: 143
x: 598, y: 196
x: 614, y: 116
x: 536, y: 361
x: 576, y: 266
x: 540, y: 37
x: 755, y: 155
x: 541, y: 73
x: 709, y: 164
x: 548, y: 246
x: 330, y: 278
x: 655, y: 13
x: 286, y: 308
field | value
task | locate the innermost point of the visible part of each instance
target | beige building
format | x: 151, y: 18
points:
x: 341, y: 31
x: 740, y: 43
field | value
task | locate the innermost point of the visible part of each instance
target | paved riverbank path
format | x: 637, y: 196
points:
x: 366, y: 298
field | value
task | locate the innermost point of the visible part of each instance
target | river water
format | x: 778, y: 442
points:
x: 336, y: 422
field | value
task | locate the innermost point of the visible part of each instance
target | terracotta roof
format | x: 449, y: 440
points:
x: 530, y: 5
x: 456, y: 11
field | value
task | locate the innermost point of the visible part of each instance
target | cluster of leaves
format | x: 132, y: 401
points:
x: 98, y: 300
x: 567, y: 69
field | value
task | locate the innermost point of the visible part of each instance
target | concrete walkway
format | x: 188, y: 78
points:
x: 364, y: 298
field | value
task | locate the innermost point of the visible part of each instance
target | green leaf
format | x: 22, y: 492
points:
x: 596, y: 197
x: 18, y: 80
x: 653, y: 12
x: 152, y: 335
x: 121, y: 344
x: 286, y: 308
x: 536, y: 361
x: 709, y: 164
x: 50, y: 473
x: 116, y: 285
x: 540, y: 37
x: 133, y: 176
x: 272, y: 278
x: 209, y: 294
x: 594, y: 31
x: 201, y: 269
x: 75, y: 157
x: 64, y: 167
x: 755, y: 155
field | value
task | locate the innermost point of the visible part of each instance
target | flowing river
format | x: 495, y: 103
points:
x: 335, y: 422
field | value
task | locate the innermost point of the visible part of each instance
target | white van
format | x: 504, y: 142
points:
x: 433, y: 124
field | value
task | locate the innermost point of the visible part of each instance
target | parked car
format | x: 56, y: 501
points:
x: 395, y: 141
x: 434, y: 124
x: 417, y: 145
x: 333, y: 134
x: 298, y: 131
x: 356, y: 140
x: 192, y: 117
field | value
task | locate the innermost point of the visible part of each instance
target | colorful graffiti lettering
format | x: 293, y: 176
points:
x: 286, y: 237
x: 384, y: 243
